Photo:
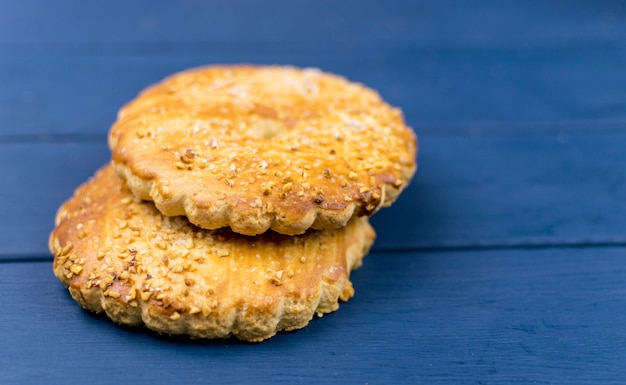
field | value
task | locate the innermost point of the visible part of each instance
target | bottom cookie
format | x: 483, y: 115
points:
x: 121, y: 256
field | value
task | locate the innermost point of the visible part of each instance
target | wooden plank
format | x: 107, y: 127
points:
x: 498, y: 190
x: 438, y: 89
x: 499, y: 317
x: 36, y: 179
x: 482, y: 191
x: 321, y: 22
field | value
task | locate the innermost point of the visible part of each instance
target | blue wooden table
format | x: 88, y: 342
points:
x: 504, y: 262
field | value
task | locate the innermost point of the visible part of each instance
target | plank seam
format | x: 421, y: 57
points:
x: 17, y: 258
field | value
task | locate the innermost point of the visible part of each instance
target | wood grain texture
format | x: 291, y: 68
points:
x: 347, y: 23
x: 499, y: 317
x: 470, y: 191
x: 439, y: 89
x: 36, y: 179
x: 503, y: 263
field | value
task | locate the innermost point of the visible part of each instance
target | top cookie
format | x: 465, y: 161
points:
x: 258, y: 148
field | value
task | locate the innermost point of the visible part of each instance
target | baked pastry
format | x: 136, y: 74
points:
x: 120, y: 255
x: 263, y: 147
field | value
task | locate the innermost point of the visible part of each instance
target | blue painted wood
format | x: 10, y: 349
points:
x: 36, y: 179
x: 345, y: 23
x: 439, y: 89
x: 498, y: 317
x: 534, y: 189
x: 520, y: 113
x: 481, y: 191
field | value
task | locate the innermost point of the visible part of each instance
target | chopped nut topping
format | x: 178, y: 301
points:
x: 66, y: 249
x: 189, y: 156
x: 132, y: 293
x: 267, y: 189
x: 276, y: 279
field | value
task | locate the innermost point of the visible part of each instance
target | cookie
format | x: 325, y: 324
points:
x: 121, y: 256
x: 263, y: 147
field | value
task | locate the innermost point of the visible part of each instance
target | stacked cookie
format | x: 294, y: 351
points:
x: 236, y: 201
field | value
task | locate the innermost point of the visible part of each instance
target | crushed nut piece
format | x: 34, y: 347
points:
x: 66, y: 249
x: 189, y: 156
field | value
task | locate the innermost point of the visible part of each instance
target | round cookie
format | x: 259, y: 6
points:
x: 258, y: 148
x: 120, y: 255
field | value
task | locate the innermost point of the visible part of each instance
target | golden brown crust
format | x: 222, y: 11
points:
x: 119, y: 255
x: 258, y: 148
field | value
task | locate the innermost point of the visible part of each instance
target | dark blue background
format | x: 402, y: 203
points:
x: 504, y: 262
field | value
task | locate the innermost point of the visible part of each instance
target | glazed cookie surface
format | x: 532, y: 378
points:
x: 263, y: 148
x: 121, y: 256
